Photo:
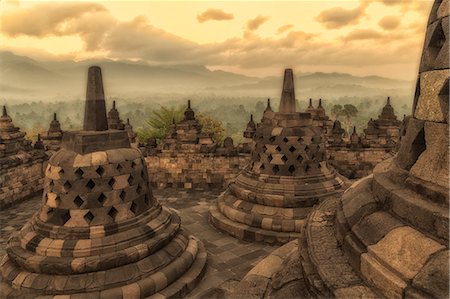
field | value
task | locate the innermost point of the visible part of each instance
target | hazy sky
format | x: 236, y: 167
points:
x: 258, y: 38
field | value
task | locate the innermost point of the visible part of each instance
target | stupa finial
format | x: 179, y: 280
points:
x: 95, y: 108
x: 287, y: 103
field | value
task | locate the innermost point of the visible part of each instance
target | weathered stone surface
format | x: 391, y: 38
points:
x: 433, y: 100
x: 432, y: 164
x: 406, y: 250
x: 412, y: 145
x: 434, y: 277
x: 95, y: 110
x: 374, y: 227
x: 287, y: 102
x: 390, y: 285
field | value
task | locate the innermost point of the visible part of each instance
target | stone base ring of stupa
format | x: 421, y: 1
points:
x: 169, y: 265
x: 257, y: 211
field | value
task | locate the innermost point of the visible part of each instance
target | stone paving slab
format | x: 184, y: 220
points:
x: 227, y: 257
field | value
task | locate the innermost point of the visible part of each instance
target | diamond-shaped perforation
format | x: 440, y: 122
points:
x: 437, y: 40
x: 270, y: 158
x: 101, y: 198
x: 299, y: 158
x: 284, y: 158
x: 51, y: 184
x: 262, y: 167
x: 146, y: 199
x: 113, y: 213
x: 130, y: 180
x: 119, y: 167
x: 90, y: 185
x: 100, y: 171
x: 65, y: 217
x: 292, y: 149
x: 291, y: 169
x: 111, y: 182
x: 133, y: 207
x: 79, y: 173
x: 272, y: 138
x: 275, y: 169
x: 122, y: 195
x: 88, y: 217
x: 78, y: 201
x: 278, y: 149
x: 61, y: 171
x: 285, y: 140
x: 133, y: 164
x: 138, y: 189
x: 67, y: 186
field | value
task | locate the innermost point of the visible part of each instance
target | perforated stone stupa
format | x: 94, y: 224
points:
x: 12, y: 140
x: 53, y: 137
x: 389, y: 236
x: 99, y: 232
x: 288, y: 175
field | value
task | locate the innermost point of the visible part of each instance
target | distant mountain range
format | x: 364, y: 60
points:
x: 23, y: 77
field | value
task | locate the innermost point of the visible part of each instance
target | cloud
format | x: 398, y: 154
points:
x: 338, y: 17
x: 254, y: 24
x: 389, y: 22
x: 363, y: 34
x: 45, y: 19
x: 214, y: 14
x: 138, y: 39
x: 284, y: 28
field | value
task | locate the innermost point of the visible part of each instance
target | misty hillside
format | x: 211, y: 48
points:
x: 23, y: 77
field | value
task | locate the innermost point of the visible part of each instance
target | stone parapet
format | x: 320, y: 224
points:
x: 21, y: 176
x: 355, y: 163
x: 194, y: 170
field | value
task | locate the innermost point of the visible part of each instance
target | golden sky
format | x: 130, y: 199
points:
x: 258, y: 38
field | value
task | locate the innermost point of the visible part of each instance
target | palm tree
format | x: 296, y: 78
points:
x: 159, y: 122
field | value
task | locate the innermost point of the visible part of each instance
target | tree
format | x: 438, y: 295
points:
x: 211, y: 125
x: 349, y: 112
x: 336, y: 111
x: 159, y: 121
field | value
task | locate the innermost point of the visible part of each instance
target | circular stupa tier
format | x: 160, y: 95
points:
x: 388, y: 235
x: 288, y: 175
x: 99, y: 232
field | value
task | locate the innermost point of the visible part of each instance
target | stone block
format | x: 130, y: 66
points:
x: 432, y: 103
x: 405, y: 250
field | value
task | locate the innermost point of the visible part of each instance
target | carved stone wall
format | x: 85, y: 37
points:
x: 355, y: 163
x: 21, y: 176
x: 194, y: 170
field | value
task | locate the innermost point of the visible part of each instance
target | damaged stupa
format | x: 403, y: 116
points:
x: 288, y: 175
x: 99, y: 232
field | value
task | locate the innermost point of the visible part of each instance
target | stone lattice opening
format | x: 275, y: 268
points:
x: 437, y: 41
x: 90, y: 185
x: 79, y: 173
x: 101, y: 198
x: 418, y: 147
x: 113, y: 213
x: 88, y: 217
x: 100, y: 171
x: 65, y: 217
x: 78, y: 201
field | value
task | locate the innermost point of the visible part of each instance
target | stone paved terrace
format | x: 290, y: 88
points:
x: 227, y: 257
